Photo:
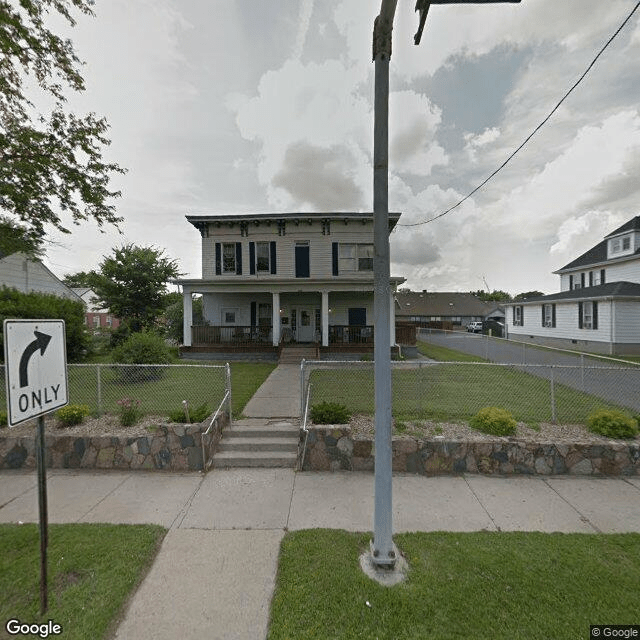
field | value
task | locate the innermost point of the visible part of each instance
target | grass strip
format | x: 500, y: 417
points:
x: 503, y: 586
x: 92, y: 570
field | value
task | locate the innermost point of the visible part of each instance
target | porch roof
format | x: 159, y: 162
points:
x: 280, y: 285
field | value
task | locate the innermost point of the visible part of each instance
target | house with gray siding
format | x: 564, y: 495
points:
x: 284, y: 278
x: 598, y: 306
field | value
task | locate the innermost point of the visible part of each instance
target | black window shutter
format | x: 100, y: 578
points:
x: 595, y: 315
x: 553, y: 315
x: 602, y: 276
x: 334, y: 255
x: 272, y: 251
x: 543, y: 315
x: 591, y: 278
x: 252, y: 259
x: 253, y: 313
x: 571, y: 283
x: 218, y: 259
x: 582, y: 279
x: 579, y: 315
x: 239, y: 258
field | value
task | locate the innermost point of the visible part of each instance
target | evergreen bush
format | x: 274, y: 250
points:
x: 72, y: 414
x: 495, y: 421
x: 612, y: 424
x: 329, y: 413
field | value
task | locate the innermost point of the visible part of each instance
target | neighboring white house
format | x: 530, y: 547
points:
x: 598, y: 307
x: 290, y: 277
x: 26, y: 274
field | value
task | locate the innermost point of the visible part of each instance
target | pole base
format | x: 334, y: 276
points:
x: 387, y: 575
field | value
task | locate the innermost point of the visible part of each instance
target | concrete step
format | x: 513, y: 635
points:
x: 282, y: 430
x: 225, y: 459
x: 284, y: 445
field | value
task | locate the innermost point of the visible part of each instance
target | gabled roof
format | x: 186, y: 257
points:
x: 598, y: 254
x: 438, y: 303
x: 632, y: 225
x: 621, y: 289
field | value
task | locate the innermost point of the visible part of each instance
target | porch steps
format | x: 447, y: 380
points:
x: 293, y: 354
x: 258, y: 443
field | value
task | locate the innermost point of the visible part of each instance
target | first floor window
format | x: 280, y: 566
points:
x: 228, y: 316
x: 517, y: 316
x: 264, y: 314
x: 548, y: 315
x: 588, y: 315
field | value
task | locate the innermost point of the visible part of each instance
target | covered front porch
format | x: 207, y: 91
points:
x: 255, y: 318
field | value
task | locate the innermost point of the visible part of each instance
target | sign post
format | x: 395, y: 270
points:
x: 36, y: 378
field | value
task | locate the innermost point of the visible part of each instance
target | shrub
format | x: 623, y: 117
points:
x: 72, y: 414
x: 199, y: 414
x: 129, y: 411
x: 612, y: 424
x: 3, y: 419
x: 144, y: 348
x: 329, y: 413
x: 493, y: 420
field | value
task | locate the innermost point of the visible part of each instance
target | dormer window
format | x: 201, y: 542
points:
x: 620, y: 245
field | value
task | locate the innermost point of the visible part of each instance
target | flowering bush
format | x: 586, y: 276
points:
x: 130, y: 411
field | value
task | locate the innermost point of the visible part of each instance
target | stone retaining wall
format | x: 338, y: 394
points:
x: 334, y: 448
x: 169, y: 447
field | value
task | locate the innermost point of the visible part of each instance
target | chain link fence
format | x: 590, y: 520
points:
x: 456, y: 391
x: 160, y: 389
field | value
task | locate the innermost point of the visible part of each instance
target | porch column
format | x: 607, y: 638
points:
x: 187, y: 307
x: 325, y: 318
x: 275, y: 312
x: 392, y: 320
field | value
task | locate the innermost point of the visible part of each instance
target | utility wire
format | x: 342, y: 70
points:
x: 566, y: 95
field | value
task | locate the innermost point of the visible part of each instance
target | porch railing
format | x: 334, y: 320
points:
x: 232, y: 335
x: 350, y: 334
x: 406, y: 334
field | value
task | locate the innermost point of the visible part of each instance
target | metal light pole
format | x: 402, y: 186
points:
x: 383, y: 550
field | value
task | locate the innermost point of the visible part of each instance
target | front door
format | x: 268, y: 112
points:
x: 305, y: 324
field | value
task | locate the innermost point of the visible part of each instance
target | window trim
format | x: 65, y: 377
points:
x: 518, y: 315
x: 360, y: 250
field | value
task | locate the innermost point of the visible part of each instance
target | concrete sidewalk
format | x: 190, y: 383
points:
x: 215, y: 572
x: 278, y: 396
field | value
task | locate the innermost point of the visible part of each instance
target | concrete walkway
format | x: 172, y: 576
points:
x: 279, y: 395
x: 215, y: 572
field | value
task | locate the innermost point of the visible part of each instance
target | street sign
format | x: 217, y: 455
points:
x: 35, y: 358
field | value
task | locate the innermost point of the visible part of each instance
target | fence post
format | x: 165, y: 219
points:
x: 99, y: 380
x: 554, y: 418
x: 582, y: 369
x: 524, y: 353
x: 228, y: 388
x: 486, y: 347
x: 302, y: 389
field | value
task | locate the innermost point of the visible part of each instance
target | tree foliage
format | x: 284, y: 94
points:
x: 528, y: 294
x: 495, y: 296
x: 14, y: 305
x: 49, y: 162
x: 174, y: 316
x: 132, y: 284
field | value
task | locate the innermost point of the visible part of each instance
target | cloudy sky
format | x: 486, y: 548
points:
x: 239, y: 106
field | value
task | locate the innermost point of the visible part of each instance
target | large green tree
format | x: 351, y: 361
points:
x: 50, y: 159
x: 132, y: 284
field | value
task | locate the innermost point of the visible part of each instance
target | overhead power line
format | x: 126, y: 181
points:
x: 504, y: 164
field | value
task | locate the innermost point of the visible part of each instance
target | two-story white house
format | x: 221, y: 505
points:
x: 273, y: 278
x: 598, y: 307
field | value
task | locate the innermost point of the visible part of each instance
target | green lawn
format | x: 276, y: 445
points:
x: 196, y: 384
x: 442, y: 354
x: 92, y: 569
x: 452, y: 391
x: 503, y: 586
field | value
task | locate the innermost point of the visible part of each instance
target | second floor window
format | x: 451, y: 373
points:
x: 355, y: 257
x: 229, y: 257
x: 263, y: 254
